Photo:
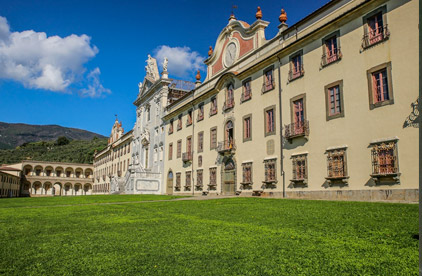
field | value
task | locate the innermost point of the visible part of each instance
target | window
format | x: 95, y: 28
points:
x: 213, y: 138
x: 300, y: 168
x: 380, y: 86
x: 179, y: 122
x: 200, y: 112
x: 331, y: 49
x: 296, y: 66
x: 268, y: 80
x: 200, y: 161
x: 246, y: 90
x: 201, y: 141
x: 229, y: 103
x: 299, y: 126
x: 269, y: 120
x: 148, y: 113
x: 336, y: 164
x: 247, y: 173
x: 334, y: 100
x: 178, y: 180
x: 247, y: 128
x: 213, y: 109
x: 179, y: 148
x: 189, y: 118
x: 375, y: 27
x: 171, y: 127
x: 384, y: 159
x: 199, y: 178
x: 188, y: 181
x: 270, y: 171
x: 170, y: 151
x: 213, y: 177
x: 187, y: 156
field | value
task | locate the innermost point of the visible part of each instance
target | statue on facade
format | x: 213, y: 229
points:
x: 150, y: 67
x: 140, y: 86
x: 165, y: 63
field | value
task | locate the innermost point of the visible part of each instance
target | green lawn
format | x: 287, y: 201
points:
x: 236, y: 236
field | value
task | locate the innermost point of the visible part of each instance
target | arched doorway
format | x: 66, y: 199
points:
x: 57, y: 189
x: 170, y: 183
x: 87, y: 189
x: 229, y: 177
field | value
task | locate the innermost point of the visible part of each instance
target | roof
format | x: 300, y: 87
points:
x: 5, y: 168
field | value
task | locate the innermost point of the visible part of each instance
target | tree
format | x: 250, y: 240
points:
x: 62, y: 140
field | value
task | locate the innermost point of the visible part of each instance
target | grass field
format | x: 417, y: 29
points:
x: 236, y: 236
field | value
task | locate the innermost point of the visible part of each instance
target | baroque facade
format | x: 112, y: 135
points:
x: 147, y: 165
x: 111, y: 165
x: 321, y: 110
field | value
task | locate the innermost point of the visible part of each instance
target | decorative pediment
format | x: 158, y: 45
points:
x: 235, y: 41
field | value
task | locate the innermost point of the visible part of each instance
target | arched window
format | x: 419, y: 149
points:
x: 229, y: 135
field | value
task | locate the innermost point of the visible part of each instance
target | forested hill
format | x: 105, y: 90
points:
x: 61, y: 150
x: 13, y: 135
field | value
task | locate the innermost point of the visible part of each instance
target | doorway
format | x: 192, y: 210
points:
x: 229, y: 177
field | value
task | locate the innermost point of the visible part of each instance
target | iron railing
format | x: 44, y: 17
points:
x: 227, y: 145
x: 328, y: 58
x: 375, y: 36
x: 296, y: 129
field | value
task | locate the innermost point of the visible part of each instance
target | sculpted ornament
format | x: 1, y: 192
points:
x: 149, y: 68
x: 165, y: 63
x: 145, y: 137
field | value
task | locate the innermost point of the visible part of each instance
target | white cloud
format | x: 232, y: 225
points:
x: 95, y: 88
x: 182, y: 61
x: 37, y: 61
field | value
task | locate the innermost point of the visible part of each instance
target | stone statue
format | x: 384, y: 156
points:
x: 165, y: 63
x: 150, y: 67
x: 140, y: 86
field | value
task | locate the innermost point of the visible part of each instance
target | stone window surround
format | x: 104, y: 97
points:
x: 250, y: 127
x: 273, y: 107
x: 387, y: 66
x: 327, y: 101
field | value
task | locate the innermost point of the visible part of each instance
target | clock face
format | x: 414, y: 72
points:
x: 230, y: 54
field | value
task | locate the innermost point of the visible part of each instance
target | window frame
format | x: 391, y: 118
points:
x: 370, y: 72
x: 333, y: 152
x: 291, y: 62
x: 265, y: 86
x: 244, y: 82
x: 248, y: 116
x: 325, y: 57
x: 385, y: 32
x: 189, y: 117
x: 385, y: 145
x: 179, y: 122
x: 200, y: 141
x: 267, y: 162
x: 246, y: 165
x: 179, y: 149
x: 200, y: 116
x: 188, y: 180
x: 213, y: 107
x: 216, y: 138
x: 213, y: 181
x: 170, y: 156
x: 295, y: 158
x: 266, y: 131
x: 328, y: 115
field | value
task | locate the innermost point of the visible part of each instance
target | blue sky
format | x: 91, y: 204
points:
x: 87, y: 66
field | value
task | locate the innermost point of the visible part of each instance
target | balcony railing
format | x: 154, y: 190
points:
x: 187, y: 156
x: 229, y: 103
x: 328, y: 58
x: 375, y: 36
x: 226, y: 146
x: 296, y: 74
x: 267, y: 86
x: 296, y: 129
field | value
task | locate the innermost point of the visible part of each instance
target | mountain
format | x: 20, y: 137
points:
x: 13, y: 135
x: 61, y: 150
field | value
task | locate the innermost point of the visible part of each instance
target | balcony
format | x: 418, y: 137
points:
x: 296, y: 74
x: 375, y: 36
x: 187, y: 156
x: 229, y: 103
x: 327, y: 59
x: 294, y: 130
x: 226, y: 146
x: 267, y: 86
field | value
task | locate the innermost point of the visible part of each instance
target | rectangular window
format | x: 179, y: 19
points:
x: 171, y: 127
x: 384, y: 159
x: 229, y: 103
x: 246, y: 90
x: 170, y: 151
x: 179, y: 148
x: 269, y: 120
x: 189, y: 144
x: 199, y: 178
x: 336, y: 164
x: 270, y: 171
x: 148, y: 113
x: 189, y: 118
x: 334, y: 100
x: 268, y: 80
x: 200, y: 112
x: 179, y: 122
x: 213, y: 138
x: 188, y: 180
x: 296, y: 66
x: 213, y: 177
x: 200, y: 141
x: 247, y: 128
x: 213, y: 109
x: 375, y: 27
x: 300, y: 167
x: 299, y: 126
x: 247, y: 173
x: 178, y: 180
x: 331, y: 49
x: 380, y: 86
